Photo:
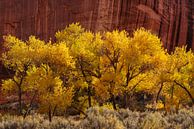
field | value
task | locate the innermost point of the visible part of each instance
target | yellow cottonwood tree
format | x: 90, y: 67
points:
x: 52, y: 94
x: 85, y: 48
x: 111, y: 62
x: 144, y: 54
x: 15, y: 59
x: 50, y: 62
x: 127, y: 62
x: 96, y: 67
x: 176, y: 78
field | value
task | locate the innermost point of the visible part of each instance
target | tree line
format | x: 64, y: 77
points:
x: 83, y: 69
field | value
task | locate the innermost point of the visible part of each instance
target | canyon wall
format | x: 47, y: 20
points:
x: 172, y: 20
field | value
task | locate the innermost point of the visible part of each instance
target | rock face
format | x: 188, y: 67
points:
x: 172, y: 20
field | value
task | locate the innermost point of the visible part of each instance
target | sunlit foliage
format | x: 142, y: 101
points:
x: 85, y: 48
x: 83, y: 69
x: 38, y: 67
x: 175, y: 78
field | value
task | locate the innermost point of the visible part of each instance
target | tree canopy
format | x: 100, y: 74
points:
x: 84, y: 69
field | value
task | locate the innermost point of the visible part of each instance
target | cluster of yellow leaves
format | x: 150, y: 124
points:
x: 50, y: 87
x: 101, y: 66
x: 39, y: 67
x: 35, y: 52
x: 70, y: 34
x: 159, y: 105
x: 127, y: 62
x: 85, y: 48
x: 176, y: 77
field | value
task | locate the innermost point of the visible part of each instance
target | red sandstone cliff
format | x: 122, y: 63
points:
x: 172, y: 20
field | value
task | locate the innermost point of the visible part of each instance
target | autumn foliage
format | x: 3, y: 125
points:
x: 84, y: 69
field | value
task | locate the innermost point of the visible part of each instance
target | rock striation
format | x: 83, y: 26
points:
x: 172, y: 20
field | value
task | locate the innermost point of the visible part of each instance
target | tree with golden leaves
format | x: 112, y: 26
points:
x: 39, y: 67
x: 175, y: 78
x: 85, y: 48
x: 127, y: 62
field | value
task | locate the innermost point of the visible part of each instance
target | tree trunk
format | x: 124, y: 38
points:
x: 89, y: 97
x: 50, y: 114
x: 20, y: 100
x: 158, y: 94
x: 125, y: 100
x: 172, y: 93
x: 54, y: 110
x: 113, y: 102
x: 189, y: 94
x: 30, y: 107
